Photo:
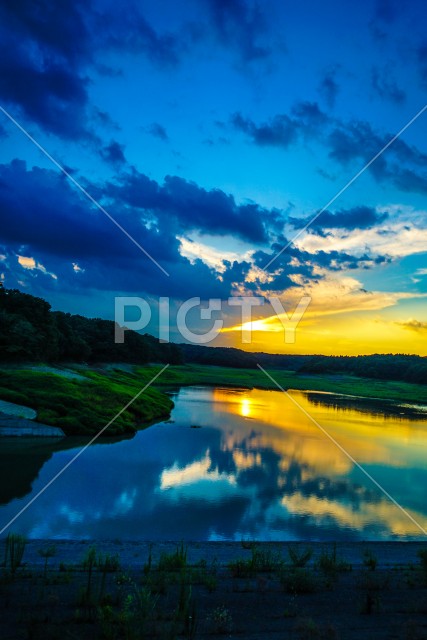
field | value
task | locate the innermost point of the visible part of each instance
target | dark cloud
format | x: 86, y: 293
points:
x: 41, y: 56
x: 278, y: 132
x: 126, y: 29
x: 356, y: 218
x: 46, y: 52
x: 241, y: 24
x: 386, y: 11
x: 184, y: 206
x: 45, y: 218
x: 282, y: 130
x: 385, y: 86
x: 401, y: 164
x: 329, y: 88
x: 113, y: 154
x: 157, y: 131
x: 385, y: 14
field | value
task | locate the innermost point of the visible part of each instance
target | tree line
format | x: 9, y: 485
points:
x: 31, y: 332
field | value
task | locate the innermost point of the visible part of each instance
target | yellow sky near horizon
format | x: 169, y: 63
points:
x: 341, y: 319
x: 344, y: 335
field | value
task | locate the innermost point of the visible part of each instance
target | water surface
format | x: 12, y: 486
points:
x: 230, y: 465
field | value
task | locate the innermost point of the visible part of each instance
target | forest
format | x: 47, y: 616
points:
x: 31, y: 332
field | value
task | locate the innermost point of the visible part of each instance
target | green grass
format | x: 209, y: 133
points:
x: 250, y: 378
x: 81, y: 407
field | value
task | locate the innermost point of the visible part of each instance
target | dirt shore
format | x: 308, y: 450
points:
x: 254, y: 591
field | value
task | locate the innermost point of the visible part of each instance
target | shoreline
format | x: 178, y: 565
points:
x: 134, y: 554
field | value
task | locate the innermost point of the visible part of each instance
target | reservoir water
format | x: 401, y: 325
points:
x: 231, y: 464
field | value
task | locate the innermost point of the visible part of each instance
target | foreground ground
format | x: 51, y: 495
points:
x: 214, y: 590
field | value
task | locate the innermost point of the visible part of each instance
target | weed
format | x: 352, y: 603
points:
x: 220, y: 620
x: 299, y: 558
x: 46, y: 553
x: 89, y: 564
x: 241, y: 568
x: 266, y: 560
x: 329, y: 564
x: 14, y: 552
x: 148, y: 564
x: 299, y: 580
x: 174, y: 561
x: 370, y: 560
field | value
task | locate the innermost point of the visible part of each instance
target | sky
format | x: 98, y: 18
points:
x: 179, y: 150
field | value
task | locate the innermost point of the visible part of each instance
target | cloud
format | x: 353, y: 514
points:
x: 283, y: 130
x: 385, y: 86
x: 126, y: 29
x: 157, y: 131
x: 277, y: 132
x: 401, y: 234
x: 242, y: 25
x: 385, y: 14
x: 48, y: 222
x: 184, y: 206
x: 386, y: 11
x: 414, y: 325
x: 46, y: 219
x: 113, y: 154
x: 404, y: 165
x: 362, y: 217
x: 329, y: 87
x: 46, y: 55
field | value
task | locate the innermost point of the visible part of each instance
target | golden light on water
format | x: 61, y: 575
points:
x: 245, y: 408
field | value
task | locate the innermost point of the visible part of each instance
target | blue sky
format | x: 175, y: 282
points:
x: 211, y: 130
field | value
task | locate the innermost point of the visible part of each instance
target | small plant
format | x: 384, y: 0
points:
x: 370, y: 560
x: 299, y: 558
x: 299, y: 580
x: 220, y: 620
x: 186, y: 612
x: 15, y: 547
x: 329, y: 564
x: 241, y: 568
x: 148, y: 564
x: 89, y: 564
x: 174, y: 561
x: 46, y: 553
x: 107, y: 564
x: 371, y: 603
x: 266, y: 560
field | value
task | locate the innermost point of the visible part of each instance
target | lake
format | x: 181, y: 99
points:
x: 231, y: 464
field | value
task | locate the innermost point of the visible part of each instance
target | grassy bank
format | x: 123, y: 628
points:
x: 249, y: 378
x: 83, y: 406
